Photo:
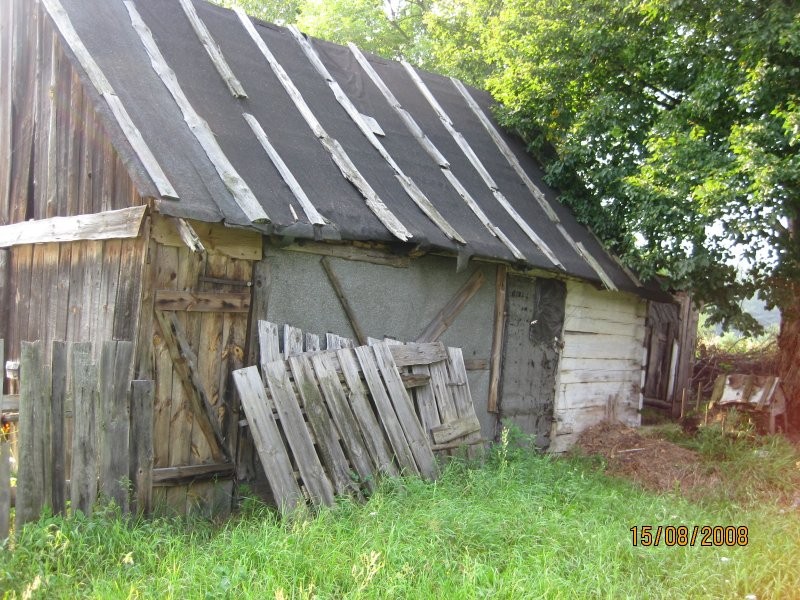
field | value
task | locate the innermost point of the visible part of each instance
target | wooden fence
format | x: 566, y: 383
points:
x: 84, y: 432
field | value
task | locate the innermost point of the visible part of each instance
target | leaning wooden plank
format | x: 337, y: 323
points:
x: 426, y: 402
x: 505, y: 150
x: 338, y: 288
x: 314, y: 478
x: 311, y: 342
x: 596, y: 267
x: 478, y: 165
x: 441, y: 391
x: 338, y: 154
x: 498, y: 342
x: 141, y: 445
x: 325, y: 432
x: 292, y: 341
x: 417, y: 438
x: 190, y: 301
x: 83, y: 473
x: 452, y: 309
x: 123, y: 223
x: 336, y: 399
x: 386, y: 412
x: 411, y: 188
x: 270, y: 447
x: 308, y: 207
x: 462, y: 397
x: 115, y: 375
x: 188, y: 235
x: 417, y: 353
x: 58, y: 400
x: 169, y: 476
x: 98, y: 79
x: 240, y: 191
x: 33, y: 437
x: 184, y: 362
x: 374, y: 440
x: 268, y: 343
x: 213, y: 50
x: 335, y: 342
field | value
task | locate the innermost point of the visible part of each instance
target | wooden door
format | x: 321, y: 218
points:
x: 534, y: 323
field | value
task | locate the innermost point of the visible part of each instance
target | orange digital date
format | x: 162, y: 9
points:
x: 683, y: 535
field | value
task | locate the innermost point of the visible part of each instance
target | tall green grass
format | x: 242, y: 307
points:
x: 520, y: 526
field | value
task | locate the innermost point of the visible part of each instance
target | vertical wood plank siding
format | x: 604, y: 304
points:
x: 52, y: 126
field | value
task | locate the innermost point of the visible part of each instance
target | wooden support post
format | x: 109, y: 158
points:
x: 5, y: 467
x: 185, y: 363
x: 83, y: 478
x: 58, y: 450
x: 115, y: 375
x: 498, y: 341
x: 348, y: 310
x: 452, y: 309
x: 141, y: 444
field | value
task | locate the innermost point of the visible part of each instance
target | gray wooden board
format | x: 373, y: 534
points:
x: 417, y: 354
x: 426, y: 402
x: 312, y: 342
x: 316, y: 481
x: 442, y: 393
x: 267, y: 437
x: 83, y: 478
x: 141, y: 444
x: 386, y: 411
x: 292, y: 341
x: 417, y: 438
x: 115, y: 365
x: 335, y: 397
x: 374, y: 440
x: 268, y: 343
x: 463, y: 398
x: 30, y: 471
x: 325, y: 432
x: 58, y: 399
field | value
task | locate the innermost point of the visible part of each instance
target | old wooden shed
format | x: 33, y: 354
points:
x: 171, y: 172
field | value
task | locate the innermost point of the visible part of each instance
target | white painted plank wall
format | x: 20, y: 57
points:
x: 601, y: 362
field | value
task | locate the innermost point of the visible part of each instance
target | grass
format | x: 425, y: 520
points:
x: 520, y: 526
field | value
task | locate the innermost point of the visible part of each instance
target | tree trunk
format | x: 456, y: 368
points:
x: 789, y: 346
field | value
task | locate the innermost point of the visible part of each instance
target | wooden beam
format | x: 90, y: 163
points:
x: 411, y: 188
x: 338, y: 154
x: 102, y: 85
x: 452, y: 309
x: 498, y: 339
x: 141, y: 444
x: 215, y: 238
x: 348, y: 310
x: 188, y: 235
x: 184, y: 361
x: 405, y: 355
x: 350, y: 252
x: 596, y: 267
x: 476, y: 364
x: 213, y: 49
x: 113, y: 224
x: 190, y: 301
x: 240, y: 191
x: 169, y: 476
x: 478, y: 165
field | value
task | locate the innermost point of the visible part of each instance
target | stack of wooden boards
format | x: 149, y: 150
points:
x: 327, y: 422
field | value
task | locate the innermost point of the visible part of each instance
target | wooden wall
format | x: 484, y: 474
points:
x: 600, y: 375
x: 55, y: 156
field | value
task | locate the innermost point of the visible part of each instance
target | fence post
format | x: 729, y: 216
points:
x: 83, y: 490
x: 115, y: 368
x: 34, y: 434
x: 141, y: 444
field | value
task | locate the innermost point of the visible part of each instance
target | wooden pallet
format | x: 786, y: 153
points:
x: 327, y: 422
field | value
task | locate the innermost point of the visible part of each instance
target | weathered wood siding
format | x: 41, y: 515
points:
x: 55, y: 156
x: 86, y: 291
x: 600, y: 375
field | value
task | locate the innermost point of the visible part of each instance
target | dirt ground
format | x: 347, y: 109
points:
x: 655, y: 464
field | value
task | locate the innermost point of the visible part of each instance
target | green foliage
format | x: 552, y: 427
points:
x: 523, y: 526
x: 282, y: 12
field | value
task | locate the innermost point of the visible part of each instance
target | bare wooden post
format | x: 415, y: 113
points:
x: 5, y: 469
x: 348, y: 310
x: 115, y: 375
x: 83, y: 490
x: 497, y: 339
x: 141, y: 444
x: 31, y: 454
x: 58, y: 454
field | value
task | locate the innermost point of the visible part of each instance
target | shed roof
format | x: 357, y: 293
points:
x: 223, y: 118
